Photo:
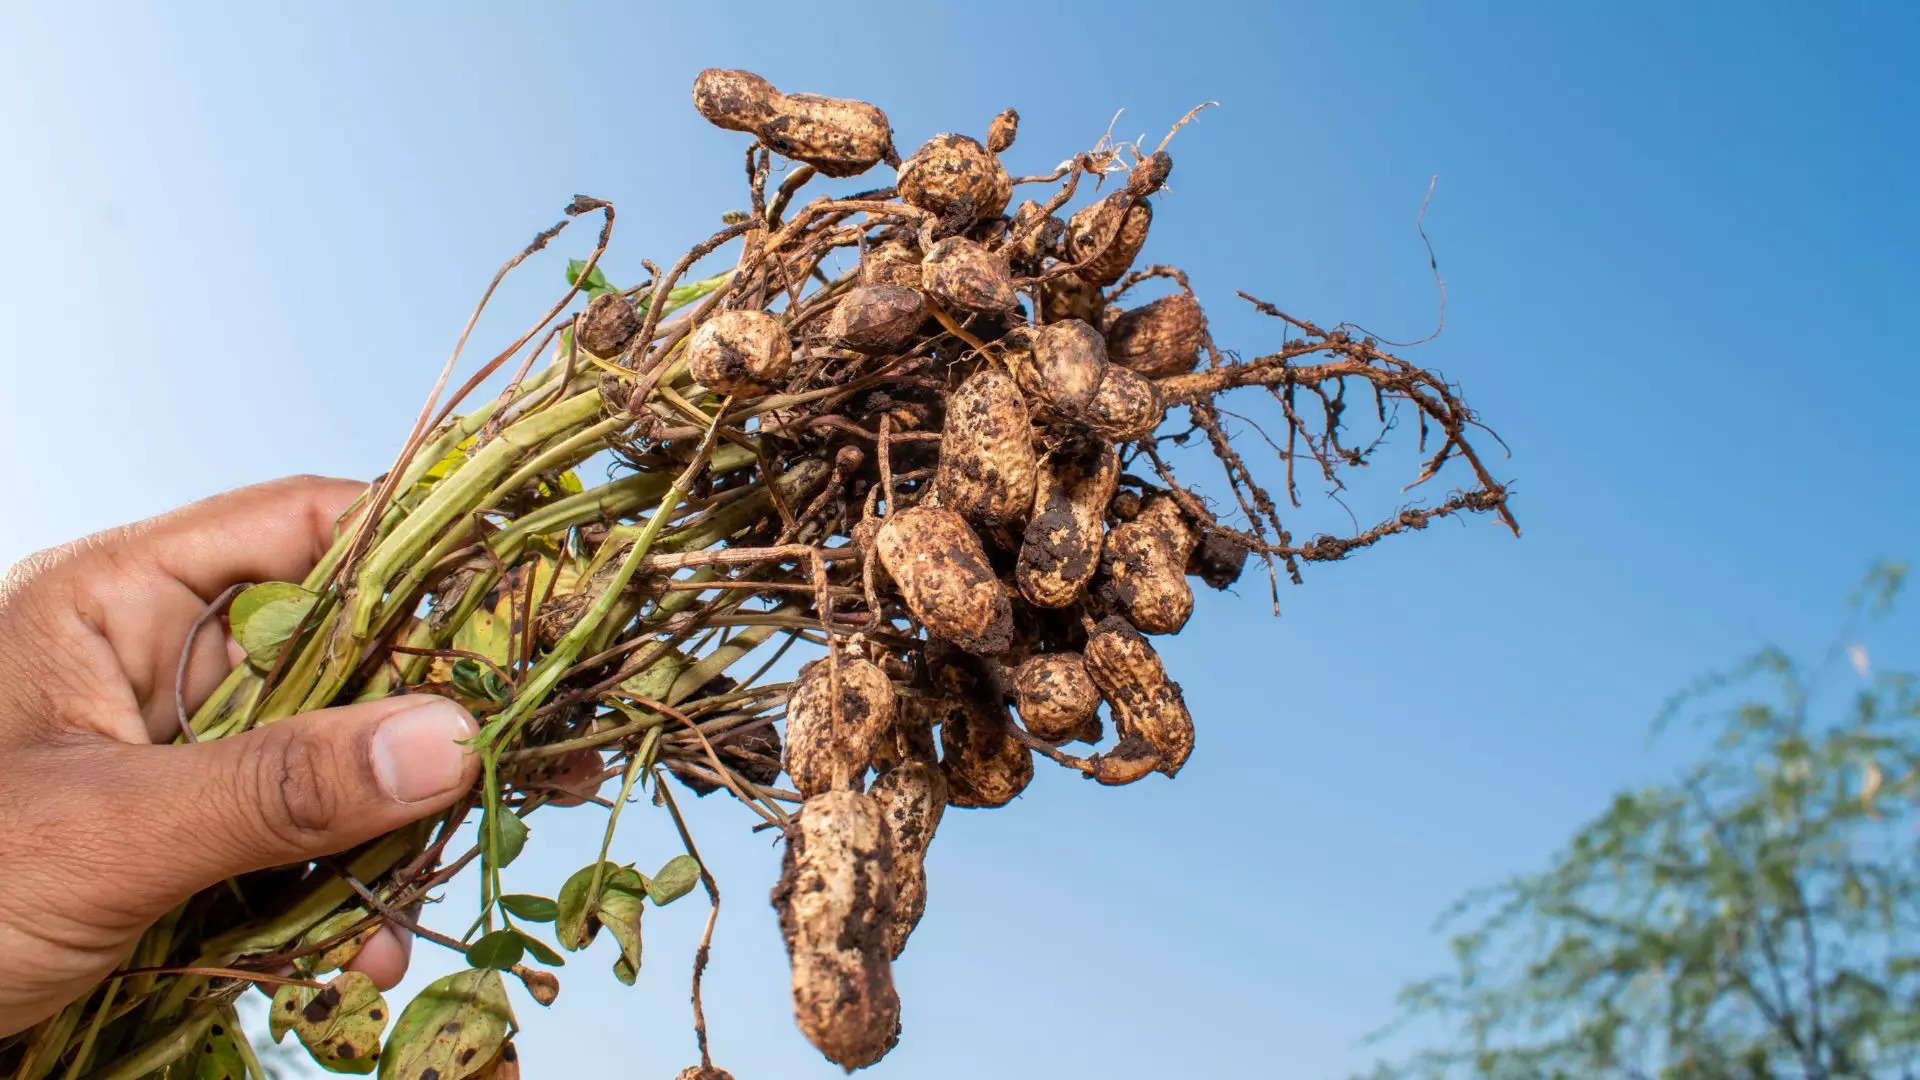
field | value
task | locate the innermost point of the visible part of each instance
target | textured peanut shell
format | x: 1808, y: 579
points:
x: 953, y: 176
x: 1128, y: 406
x: 1159, y: 339
x: 891, y: 263
x: 1219, y: 558
x: 837, y: 136
x: 703, y: 1072
x: 1056, y: 696
x: 1144, y: 568
x: 1144, y: 701
x: 910, y: 738
x: 1132, y: 758
x: 1070, y: 296
x: 986, y: 765
x: 739, y: 352
x: 943, y: 575
x: 609, y: 325
x: 1061, y: 547
x: 987, y: 465
x: 1001, y: 133
x: 1069, y: 362
x: 960, y: 274
x: 1032, y: 234
x: 876, y: 318
x: 912, y: 798
x: 818, y: 752
x: 1105, y: 237
x: 835, y: 899
x: 736, y: 100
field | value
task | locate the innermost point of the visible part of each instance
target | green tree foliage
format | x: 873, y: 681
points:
x: 1756, y: 918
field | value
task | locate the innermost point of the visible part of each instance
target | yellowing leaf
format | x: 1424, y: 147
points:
x: 456, y: 1021
x: 340, y: 1025
x: 264, y: 616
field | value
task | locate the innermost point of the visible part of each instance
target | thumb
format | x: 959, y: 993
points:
x: 293, y: 790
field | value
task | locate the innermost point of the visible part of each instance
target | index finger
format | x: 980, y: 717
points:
x: 274, y: 531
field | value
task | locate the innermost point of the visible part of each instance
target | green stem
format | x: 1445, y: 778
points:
x: 164, y: 1050
x: 635, y: 769
x: 454, y: 496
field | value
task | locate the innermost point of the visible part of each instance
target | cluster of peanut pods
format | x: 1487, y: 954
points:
x: 1008, y: 574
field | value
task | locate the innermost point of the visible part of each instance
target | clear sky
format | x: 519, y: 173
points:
x: 1677, y: 243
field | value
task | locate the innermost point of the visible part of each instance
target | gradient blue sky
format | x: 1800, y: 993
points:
x: 1677, y: 241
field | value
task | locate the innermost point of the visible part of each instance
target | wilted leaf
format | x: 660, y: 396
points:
x: 264, y: 616
x: 339, y: 1025
x: 620, y: 909
x: 623, y: 895
x: 501, y: 949
x: 456, y: 1021
x: 675, y: 880
x: 529, y: 907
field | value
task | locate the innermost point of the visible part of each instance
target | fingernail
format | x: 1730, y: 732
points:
x: 416, y: 753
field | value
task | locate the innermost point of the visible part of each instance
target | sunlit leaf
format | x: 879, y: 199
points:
x: 456, y: 1021
x: 340, y: 1025
x: 529, y: 907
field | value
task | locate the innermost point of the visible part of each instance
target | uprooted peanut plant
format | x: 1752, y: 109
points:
x: 947, y: 469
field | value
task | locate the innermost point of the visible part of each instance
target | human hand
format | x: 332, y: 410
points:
x: 105, y: 826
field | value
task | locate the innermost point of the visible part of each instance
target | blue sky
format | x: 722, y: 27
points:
x: 1676, y: 241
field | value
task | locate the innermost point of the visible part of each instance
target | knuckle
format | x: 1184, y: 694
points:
x: 295, y: 791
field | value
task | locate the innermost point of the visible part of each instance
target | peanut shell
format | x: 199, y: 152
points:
x: 960, y: 274
x: 1144, y: 701
x: 1159, y: 339
x: 835, y: 899
x: 744, y: 353
x: 1056, y: 696
x: 955, y: 178
x: 876, y: 318
x: 986, y: 765
x: 1144, y: 568
x: 1104, y: 237
x: 1061, y: 547
x: 1128, y: 406
x: 987, y: 465
x: 912, y: 798
x: 817, y: 751
x: 943, y: 575
x: 609, y: 325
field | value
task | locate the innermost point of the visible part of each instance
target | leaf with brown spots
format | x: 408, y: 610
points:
x: 340, y: 1024
x: 221, y: 1053
x: 453, y: 1028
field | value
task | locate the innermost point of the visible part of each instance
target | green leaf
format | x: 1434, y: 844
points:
x: 219, y: 1054
x: 529, y: 907
x: 264, y: 616
x: 511, y: 836
x: 456, y: 1021
x: 339, y: 1025
x: 501, y: 949
x: 675, y: 880
x: 595, y: 283
x: 542, y: 951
